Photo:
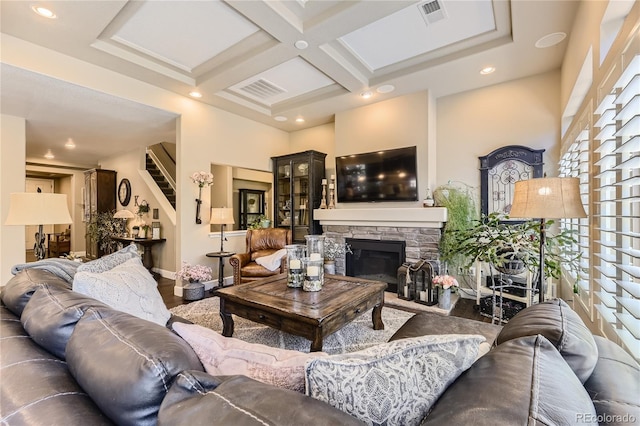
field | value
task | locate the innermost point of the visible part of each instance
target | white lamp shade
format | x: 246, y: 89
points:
x: 550, y: 198
x: 222, y: 216
x: 33, y: 208
x: 124, y: 214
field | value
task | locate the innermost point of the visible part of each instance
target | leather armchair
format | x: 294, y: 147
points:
x: 260, y: 242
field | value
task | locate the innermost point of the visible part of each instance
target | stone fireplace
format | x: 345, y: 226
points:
x: 419, y: 228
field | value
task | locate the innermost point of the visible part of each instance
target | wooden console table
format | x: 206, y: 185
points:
x: 311, y: 315
x: 146, y: 243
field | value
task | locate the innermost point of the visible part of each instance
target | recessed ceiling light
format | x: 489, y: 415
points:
x: 299, y: 120
x: 550, y: 40
x: 70, y: 144
x: 386, y: 88
x: 487, y: 70
x: 44, y: 12
x: 49, y: 155
x: 280, y: 118
x: 367, y: 94
x: 195, y: 94
x: 301, y: 44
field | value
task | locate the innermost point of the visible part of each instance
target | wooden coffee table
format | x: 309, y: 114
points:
x: 311, y: 315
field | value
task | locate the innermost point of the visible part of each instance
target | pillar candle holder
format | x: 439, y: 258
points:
x: 323, y: 200
x: 332, y: 191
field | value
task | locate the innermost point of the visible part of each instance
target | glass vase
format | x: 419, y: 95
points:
x: 313, y: 274
x: 315, y: 247
x: 295, y: 271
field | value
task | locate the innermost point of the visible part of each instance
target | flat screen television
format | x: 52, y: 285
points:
x: 389, y: 175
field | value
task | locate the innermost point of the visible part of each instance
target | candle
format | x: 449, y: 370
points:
x: 324, y: 181
x: 313, y: 271
x: 294, y: 264
x: 406, y: 292
x: 314, y: 256
x: 333, y: 177
x: 330, y: 186
x: 423, y: 296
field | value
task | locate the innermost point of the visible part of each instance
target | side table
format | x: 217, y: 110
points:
x: 146, y: 243
x: 221, y: 255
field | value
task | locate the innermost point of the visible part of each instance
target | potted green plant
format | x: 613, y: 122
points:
x: 143, y: 208
x: 461, y: 213
x: 102, y: 227
x: 261, y: 221
x: 332, y: 250
x: 512, y: 247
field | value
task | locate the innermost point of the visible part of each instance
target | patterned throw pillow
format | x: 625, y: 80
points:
x: 110, y: 261
x: 226, y: 356
x: 394, y: 383
x: 129, y: 287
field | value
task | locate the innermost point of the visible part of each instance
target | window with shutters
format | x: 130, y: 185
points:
x: 616, y: 215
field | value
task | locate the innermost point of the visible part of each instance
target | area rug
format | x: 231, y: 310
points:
x: 357, y: 335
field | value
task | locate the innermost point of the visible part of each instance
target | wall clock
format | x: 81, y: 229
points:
x: 124, y: 192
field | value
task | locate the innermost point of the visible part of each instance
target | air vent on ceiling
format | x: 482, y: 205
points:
x: 262, y: 89
x: 432, y: 11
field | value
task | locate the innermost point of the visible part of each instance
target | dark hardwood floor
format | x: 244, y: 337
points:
x: 465, y: 308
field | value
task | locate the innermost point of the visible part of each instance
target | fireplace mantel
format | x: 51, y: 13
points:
x: 429, y: 217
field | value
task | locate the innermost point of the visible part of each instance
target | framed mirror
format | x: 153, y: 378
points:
x: 500, y: 170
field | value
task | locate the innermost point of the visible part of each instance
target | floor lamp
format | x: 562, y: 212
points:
x: 222, y: 216
x: 546, y: 198
x: 38, y: 208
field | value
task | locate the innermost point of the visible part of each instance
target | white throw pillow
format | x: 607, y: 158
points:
x: 110, y: 261
x: 394, y: 383
x: 227, y: 356
x: 272, y: 262
x: 128, y: 287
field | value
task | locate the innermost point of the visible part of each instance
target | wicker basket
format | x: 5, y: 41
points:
x: 511, y: 267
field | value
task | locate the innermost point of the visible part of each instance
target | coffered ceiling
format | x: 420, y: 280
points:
x: 276, y: 61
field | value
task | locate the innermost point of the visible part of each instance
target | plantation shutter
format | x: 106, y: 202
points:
x: 617, y: 206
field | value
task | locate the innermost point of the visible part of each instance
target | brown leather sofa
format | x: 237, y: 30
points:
x: 260, y: 242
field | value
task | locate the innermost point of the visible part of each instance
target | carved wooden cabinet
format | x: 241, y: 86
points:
x: 100, y: 197
x: 298, y: 190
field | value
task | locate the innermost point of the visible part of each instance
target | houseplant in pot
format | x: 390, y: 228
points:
x: 513, y: 247
x: 195, y: 276
x: 333, y: 250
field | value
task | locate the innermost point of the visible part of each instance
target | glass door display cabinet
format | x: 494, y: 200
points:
x: 251, y: 207
x: 298, y: 189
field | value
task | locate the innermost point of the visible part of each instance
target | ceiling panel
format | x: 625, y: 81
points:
x: 285, y: 81
x: 407, y: 33
x: 184, y: 34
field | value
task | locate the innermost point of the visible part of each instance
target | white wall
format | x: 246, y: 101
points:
x: 128, y: 165
x: 472, y: 124
x: 12, y: 179
x: 398, y: 122
x: 319, y: 138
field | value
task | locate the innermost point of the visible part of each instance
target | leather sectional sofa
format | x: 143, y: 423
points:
x: 69, y: 359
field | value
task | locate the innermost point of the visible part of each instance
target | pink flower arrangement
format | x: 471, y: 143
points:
x: 203, y: 179
x: 193, y: 273
x: 446, y: 281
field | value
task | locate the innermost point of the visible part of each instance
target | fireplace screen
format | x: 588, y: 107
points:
x: 375, y: 260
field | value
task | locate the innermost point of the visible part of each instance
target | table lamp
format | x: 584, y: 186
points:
x: 124, y: 215
x: 551, y: 198
x: 222, y: 216
x: 38, y: 208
